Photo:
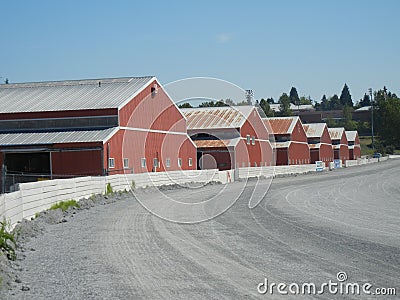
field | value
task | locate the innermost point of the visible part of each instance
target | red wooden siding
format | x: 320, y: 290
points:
x: 299, y: 153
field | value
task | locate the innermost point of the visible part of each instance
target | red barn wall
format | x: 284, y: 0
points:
x: 299, y: 154
x: 325, y: 137
x: 136, y: 145
x: 282, y: 156
x: 326, y: 153
x: 298, y: 134
x: 222, y: 157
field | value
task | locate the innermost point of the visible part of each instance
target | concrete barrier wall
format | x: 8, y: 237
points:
x: 275, y: 170
x: 34, y: 197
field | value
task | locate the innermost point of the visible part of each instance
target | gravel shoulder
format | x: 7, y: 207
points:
x: 307, y: 228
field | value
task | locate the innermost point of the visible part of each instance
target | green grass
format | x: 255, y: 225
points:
x: 7, y: 241
x: 109, y: 189
x: 64, y: 205
x: 365, y: 143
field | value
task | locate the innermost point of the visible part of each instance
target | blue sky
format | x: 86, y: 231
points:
x: 267, y: 46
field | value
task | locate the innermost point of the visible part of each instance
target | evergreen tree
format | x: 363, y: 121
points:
x: 334, y: 103
x: 325, y: 105
x: 294, y: 96
x: 266, y: 108
x: 365, y: 101
x: 284, y: 102
x: 271, y: 100
x: 345, y: 97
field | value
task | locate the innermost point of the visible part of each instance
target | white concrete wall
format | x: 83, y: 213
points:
x: 34, y: 197
x: 276, y: 170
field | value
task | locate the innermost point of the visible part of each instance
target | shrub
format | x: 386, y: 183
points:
x: 64, y: 205
x: 7, y: 241
x: 109, y: 189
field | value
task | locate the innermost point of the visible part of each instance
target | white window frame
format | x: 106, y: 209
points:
x: 168, y: 162
x: 125, y: 162
x: 179, y: 162
x: 190, y: 162
x: 156, y: 162
x: 248, y: 139
x: 253, y: 140
x: 111, y: 162
x: 143, y: 162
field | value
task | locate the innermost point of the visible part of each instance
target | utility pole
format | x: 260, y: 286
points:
x: 372, y: 118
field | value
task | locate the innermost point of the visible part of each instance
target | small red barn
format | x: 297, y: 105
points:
x: 339, y: 143
x: 90, y: 127
x: 291, y: 146
x: 353, y: 141
x: 319, y: 142
x: 229, y: 137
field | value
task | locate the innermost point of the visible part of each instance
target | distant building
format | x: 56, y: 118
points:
x: 353, y: 142
x: 291, y: 147
x: 339, y: 143
x: 362, y: 114
x: 319, y: 142
x: 229, y: 137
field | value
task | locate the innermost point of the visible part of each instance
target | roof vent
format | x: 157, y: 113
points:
x: 99, y: 83
x: 154, y: 90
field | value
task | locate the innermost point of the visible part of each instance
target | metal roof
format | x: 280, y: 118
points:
x: 216, y: 143
x: 216, y: 117
x: 57, y: 137
x: 70, y: 94
x: 282, y: 125
x: 351, y: 135
x: 336, y: 133
x: 314, y: 129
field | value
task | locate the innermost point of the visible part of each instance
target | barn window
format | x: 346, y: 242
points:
x: 248, y: 139
x: 190, y: 162
x: 253, y: 140
x: 168, y: 162
x: 126, y: 163
x: 156, y: 163
x: 111, y: 163
x: 179, y: 162
x: 143, y: 162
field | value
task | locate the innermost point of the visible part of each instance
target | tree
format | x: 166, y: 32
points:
x: 185, y: 105
x: 334, y: 103
x: 345, y: 97
x: 305, y: 101
x: 284, y: 107
x: 271, y: 100
x: 348, y: 122
x: 325, y: 105
x: 266, y: 108
x: 6, y: 81
x: 212, y: 104
x: 387, y: 120
x: 229, y: 102
x: 294, y: 96
x: 365, y: 101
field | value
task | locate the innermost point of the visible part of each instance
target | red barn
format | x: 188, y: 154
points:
x: 291, y: 146
x: 319, y: 142
x: 229, y: 137
x: 353, y: 141
x: 90, y: 127
x: 339, y: 143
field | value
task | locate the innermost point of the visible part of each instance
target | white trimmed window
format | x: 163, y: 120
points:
x: 168, y: 162
x: 253, y: 140
x: 248, y: 139
x: 111, y: 163
x: 126, y: 163
x: 190, y: 162
x: 143, y: 162
x: 180, y: 162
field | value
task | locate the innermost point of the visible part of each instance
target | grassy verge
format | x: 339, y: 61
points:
x: 8, y: 241
x: 365, y: 143
x: 64, y: 205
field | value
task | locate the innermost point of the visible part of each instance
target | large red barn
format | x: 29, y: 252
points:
x: 291, y: 146
x: 229, y: 137
x: 90, y: 127
x: 319, y: 142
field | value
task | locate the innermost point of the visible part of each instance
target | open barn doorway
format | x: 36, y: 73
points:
x: 25, y: 167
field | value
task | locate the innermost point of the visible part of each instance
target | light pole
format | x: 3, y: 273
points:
x: 372, y: 119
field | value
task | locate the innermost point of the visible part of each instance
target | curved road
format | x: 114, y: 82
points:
x: 307, y: 229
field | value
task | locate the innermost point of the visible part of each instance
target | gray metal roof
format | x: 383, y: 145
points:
x: 69, y: 95
x: 46, y: 138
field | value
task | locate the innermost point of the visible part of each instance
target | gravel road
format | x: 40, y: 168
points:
x: 307, y: 229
